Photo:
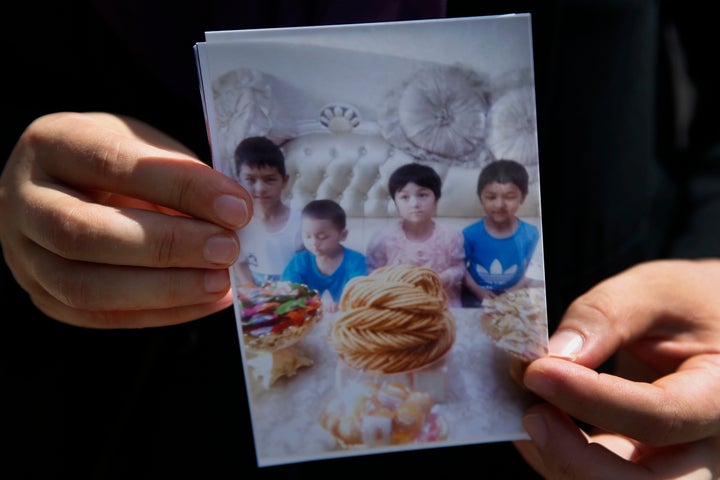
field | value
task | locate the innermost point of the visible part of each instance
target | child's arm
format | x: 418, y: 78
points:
x: 527, y: 282
x: 479, y: 292
x: 453, y: 274
x: 376, y: 255
x: 294, y: 271
x: 330, y: 306
x: 241, y: 271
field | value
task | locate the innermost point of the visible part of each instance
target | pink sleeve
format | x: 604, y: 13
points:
x: 453, y: 271
x: 376, y: 254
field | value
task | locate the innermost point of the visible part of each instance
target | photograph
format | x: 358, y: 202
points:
x: 391, y: 278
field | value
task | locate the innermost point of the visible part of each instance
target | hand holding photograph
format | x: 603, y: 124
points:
x: 392, y: 274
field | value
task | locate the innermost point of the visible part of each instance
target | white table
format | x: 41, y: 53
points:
x: 483, y: 404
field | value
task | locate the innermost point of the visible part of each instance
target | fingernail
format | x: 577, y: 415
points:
x: 565, y: 344
x: 221, y: 249
x: 536, y: 427
x: 232, y: 210
x: 217, y: 281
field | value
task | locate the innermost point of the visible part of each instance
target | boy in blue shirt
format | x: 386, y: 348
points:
x: 325, y: 265
x: 499, y: 247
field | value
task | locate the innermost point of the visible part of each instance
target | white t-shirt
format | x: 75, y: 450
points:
x: 267, y: 253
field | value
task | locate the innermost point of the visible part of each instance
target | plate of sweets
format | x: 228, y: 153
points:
x: 373, y: 414
x: 273, y: 317
x: 278, y: 314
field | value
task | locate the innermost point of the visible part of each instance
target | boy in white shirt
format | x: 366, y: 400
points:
x: 273, y: 235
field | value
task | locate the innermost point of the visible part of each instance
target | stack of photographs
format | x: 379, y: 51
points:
x: 391, y: 279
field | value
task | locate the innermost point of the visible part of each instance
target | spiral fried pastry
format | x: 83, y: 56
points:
x: 394, y: 320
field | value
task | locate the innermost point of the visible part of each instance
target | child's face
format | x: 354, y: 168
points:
x: 321, y: 236
x: 265, y: 185
x: 415, y: 204
x: 501, y: 201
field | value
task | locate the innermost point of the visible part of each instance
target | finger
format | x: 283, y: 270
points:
x: 692, y: 461
x: 77, y: 230
x: 121, y: 161
x: 114, y: 319
x: 92, y: 286
x: 530, y: 454
x: 675, y: 299
x: 560, y: 450
x: 680, y: 407
x: 66, y: 309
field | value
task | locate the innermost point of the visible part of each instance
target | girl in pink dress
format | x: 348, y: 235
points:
x: 417, y: 239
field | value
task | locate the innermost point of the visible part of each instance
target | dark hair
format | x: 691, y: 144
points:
x: 259, y: 152
x: 504, y: 171
x: 418, y: 174
x: 326, y: 210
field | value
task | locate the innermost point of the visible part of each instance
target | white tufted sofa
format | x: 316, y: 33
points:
x: 353, y: 169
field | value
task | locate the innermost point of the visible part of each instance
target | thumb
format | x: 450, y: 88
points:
x: 661, y: 297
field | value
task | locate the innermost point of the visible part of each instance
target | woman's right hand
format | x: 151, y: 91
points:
x: 109, y: 223
x: 656, y: 415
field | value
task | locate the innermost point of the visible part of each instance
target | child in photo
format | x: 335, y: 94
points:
x: 326, y: 264
x: 499, y: 247
x: 417, y: 239
x: 272, y: 237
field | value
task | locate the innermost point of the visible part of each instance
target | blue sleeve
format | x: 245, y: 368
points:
x: 294, y: 270
x: 534, y: 237
x: 468, y: 242
x: 359, y: 265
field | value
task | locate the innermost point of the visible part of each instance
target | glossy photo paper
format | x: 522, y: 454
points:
x: 384, y: 292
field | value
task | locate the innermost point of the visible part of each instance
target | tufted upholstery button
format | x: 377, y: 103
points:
x: 362, y: 151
